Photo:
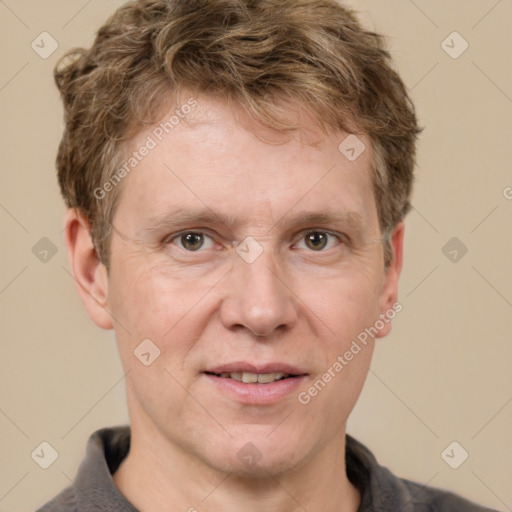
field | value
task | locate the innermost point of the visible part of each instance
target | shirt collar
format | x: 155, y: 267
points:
x: 95, y: 489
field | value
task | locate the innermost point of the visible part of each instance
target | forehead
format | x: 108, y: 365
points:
x: 210, y: 154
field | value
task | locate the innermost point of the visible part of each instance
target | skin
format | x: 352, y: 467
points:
x: 293, y: 304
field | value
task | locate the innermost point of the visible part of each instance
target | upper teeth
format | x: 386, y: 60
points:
x: 261, y: 378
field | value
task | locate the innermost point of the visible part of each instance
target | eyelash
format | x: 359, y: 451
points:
x: 303, y: 234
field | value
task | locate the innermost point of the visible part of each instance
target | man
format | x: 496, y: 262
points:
x: 237, y: 173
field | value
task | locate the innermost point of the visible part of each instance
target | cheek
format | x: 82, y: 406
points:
x: 139, y: 292
x: 345, y: 302
x: 167, y: 306
x: 149, y: 306
x: 135, y: 297
x: 349, y: 307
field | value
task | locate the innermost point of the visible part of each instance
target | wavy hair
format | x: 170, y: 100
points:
x: 257, y: 53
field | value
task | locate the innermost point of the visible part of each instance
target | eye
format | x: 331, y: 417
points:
x: 193, y: 241
x: 318, y: 241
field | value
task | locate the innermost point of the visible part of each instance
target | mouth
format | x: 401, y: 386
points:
x: 256, y: 384
x: 253, y: 378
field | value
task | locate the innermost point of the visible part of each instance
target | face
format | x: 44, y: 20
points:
x: 252, y: 265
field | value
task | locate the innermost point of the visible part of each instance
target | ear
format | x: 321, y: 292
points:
x: 389, y: 293
x: 89, y: 273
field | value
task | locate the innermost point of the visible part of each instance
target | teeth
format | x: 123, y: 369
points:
x: 249, y: 378
x: 263, y: 378
x: 252, y: 378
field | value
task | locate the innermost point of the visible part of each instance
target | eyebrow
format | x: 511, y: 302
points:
x: 207, y: 216
x: 346, y: 218
x: 187, y: 216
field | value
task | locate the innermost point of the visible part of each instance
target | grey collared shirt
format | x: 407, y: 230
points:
x: 94, y: 490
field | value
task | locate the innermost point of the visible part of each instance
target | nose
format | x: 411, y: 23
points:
x: 258, y: 298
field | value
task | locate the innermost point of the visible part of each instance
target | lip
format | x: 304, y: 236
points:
x: 255, y: 393
x: 244, y: 367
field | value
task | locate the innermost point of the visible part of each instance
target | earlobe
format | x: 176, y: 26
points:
x: 89, y: 273
x: 389, y: 292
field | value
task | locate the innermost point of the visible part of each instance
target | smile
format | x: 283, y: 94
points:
x: 252, y: 378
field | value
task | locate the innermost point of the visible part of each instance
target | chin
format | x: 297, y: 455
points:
x: 258, y: 456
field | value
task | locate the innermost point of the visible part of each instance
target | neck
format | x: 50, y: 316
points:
x: 157, y: 475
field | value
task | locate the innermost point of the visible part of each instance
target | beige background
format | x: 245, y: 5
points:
x: 443, y: 375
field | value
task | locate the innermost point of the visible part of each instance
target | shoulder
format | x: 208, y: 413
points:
x: 93, y: 488
x: 381, y: 490
x: 431, y: 499
x: 63, y: 502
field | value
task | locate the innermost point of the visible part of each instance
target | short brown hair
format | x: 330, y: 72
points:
x: 253, y: 52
